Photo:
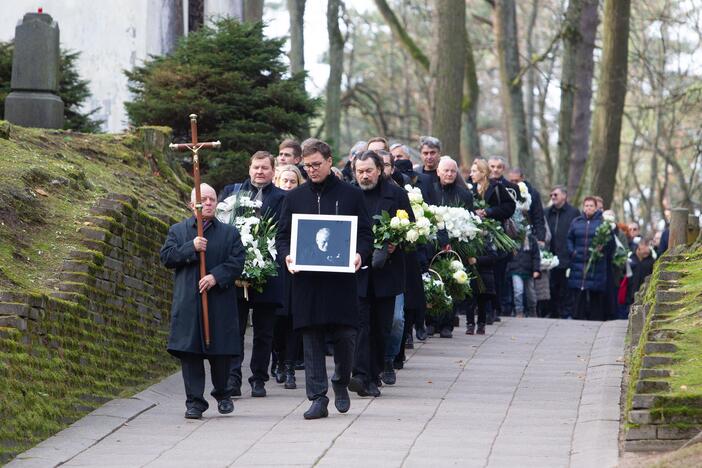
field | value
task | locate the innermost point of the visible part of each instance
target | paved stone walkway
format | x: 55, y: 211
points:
x: 533, y: 392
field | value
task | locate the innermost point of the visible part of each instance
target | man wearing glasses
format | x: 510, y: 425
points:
x: 559, y: 215
x: 325, y: 304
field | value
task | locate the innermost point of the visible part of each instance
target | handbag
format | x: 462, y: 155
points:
x: 509, y: 226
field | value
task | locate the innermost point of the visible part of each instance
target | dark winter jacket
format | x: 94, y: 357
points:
x: 273, y: 196
x: 455, y: 195
x: 580, y: 236
x: 559, y: 220
x: 322, y: 298
x: 486, y: 270
x: 536, y: 213
x: 500, y: 204
x: 225, y: 261
x: 430, y: 179
x: 388, y: 281
x: 640, y: 269
x: 526, y: 261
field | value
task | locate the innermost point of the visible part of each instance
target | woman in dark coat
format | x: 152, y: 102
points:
x: 589, y: 288
x: 224, y: 263
x: 498, y: 205
x: 483, y: 298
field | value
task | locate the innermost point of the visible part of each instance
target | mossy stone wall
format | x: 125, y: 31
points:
x: 100, y: 335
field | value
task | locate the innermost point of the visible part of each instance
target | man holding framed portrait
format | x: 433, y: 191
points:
x: 319, y: 253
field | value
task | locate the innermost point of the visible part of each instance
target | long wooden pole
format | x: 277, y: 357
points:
x: 200, y: 231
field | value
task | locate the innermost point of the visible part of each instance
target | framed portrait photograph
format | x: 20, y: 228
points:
x: 323, y: 242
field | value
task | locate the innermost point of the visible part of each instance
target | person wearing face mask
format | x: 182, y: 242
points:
x: 260, y: 187
x: 589, y: 286
x: 224, y: 258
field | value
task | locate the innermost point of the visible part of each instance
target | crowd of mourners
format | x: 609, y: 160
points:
x: 569, y: 263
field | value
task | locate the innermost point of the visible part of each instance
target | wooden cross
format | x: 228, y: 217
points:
x: 194, y: 147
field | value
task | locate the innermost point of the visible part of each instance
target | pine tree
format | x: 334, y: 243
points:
x: 234, y: 79
x: 72, y: 89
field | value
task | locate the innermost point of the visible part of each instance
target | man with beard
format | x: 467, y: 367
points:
x: 224, y: 263
x: 325, y: 304
x: 379, y: 285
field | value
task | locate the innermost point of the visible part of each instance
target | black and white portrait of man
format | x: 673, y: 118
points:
x: 323, y: 243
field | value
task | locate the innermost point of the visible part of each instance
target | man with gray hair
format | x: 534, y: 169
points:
x: 357, y: 149
x: 224, y: 263
x: 430, y: 151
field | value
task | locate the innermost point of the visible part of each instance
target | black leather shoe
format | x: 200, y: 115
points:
x: 318, y: 409
x: 299, y: 365
x: 290, y: 383
x: 430, y: 330
x: 497, y: 319
x: 225, y: 406
x: 258, y: 389
x: 373, y: 390
x: 193, y: 413
x: 470, y: 329
x: 421, y: 334
x: 342, y: 401
x: 388, y: 376
x: 398, y: 364
x: 446, y: 333
x: 481, y: 329
x: 356, y: 385
x: 409, y: 342
x: 280, y: 373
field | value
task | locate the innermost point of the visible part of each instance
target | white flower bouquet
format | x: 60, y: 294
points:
x: 258, y: 236
x: 549, y: 261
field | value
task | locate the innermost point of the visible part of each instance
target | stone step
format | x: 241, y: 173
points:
x: 653, y: 374
x: 643, y: 401
x: 650, y: 362
x: 658, y: 347
x: 663, y: 334
x: 652, y: 386
x: 670, y: 275
x: 19, y: 309
x: 670, y: 296
x: 665, y: 307
x: 666, y: 285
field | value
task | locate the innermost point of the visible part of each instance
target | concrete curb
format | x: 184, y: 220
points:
x: 595, y: 438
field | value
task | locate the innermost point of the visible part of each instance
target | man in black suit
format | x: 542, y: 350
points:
x: 380, y: 284
x: 259, y: 186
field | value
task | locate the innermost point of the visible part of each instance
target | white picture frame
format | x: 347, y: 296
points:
x: 323, y: 242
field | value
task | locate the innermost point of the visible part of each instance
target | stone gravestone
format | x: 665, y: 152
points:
x: 35, y: 74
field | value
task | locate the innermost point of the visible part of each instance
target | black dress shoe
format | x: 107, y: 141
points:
x: 225, y: 406
x: 356, y: 385
x: 421, y: 334
x: 430, y: 330
x: 409, y: 342
x: 497, y: 319
x: 290, y: 383
x: 481, y: 329
x: 299, y: 365
x: 258, y: 389
x: 373, y: 390
x: 318, y: 409
x: 446, y: 333
x: 342, y: 401
x: 388, y: 376
x: 470, y: 329
x: 398, y: 364
x: 193, y: 413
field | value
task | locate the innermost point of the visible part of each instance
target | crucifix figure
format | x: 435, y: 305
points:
x: 194, y: 147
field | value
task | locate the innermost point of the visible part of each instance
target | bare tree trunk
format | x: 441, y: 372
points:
x: 505, y: 25
x: 571, y: 39
x: 447, y: 71
x: 607, y: 118
x: 471, y: 94
x: 297, y: 36
x: 531, y: 73
x: 332, y: 115
x: 253, y: 10
x: 585, y: 69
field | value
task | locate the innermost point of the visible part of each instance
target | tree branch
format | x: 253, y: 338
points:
x: 400, y: 34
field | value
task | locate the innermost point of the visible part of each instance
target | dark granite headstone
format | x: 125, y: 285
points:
x: 33, y: 101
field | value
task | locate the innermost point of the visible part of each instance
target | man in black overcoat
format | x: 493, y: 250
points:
x: 430, y: 151
x: 379, y: 285
x: 323, y: 303
x: 264, y: 304
x: 224, y: 263
x: 559, y: 217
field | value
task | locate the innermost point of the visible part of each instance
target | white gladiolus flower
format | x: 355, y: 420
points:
x: 412, y: 236
x: 395, y: 222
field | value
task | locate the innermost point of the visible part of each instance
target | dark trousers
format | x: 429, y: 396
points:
x: 591, y: 305
x: 314, y: 343
x: 502, y: 300
x: 375, y: 316
x: 481, y: 305
x: 561, y: 294
x: 286, y: 341
x: 193, y: 368
x: 263, y: 319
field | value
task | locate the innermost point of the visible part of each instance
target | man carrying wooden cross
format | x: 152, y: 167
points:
x: 224, y: 262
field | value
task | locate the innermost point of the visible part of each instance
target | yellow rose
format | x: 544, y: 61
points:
x: 402, y: 214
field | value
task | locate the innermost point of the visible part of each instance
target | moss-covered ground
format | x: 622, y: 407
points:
x: 48, y: 182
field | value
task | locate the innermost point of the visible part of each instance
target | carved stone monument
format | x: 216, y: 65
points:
x: 33, y: 101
